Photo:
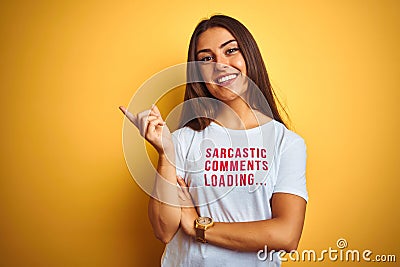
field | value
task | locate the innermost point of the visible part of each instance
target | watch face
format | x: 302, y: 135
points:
x: 204, y: 220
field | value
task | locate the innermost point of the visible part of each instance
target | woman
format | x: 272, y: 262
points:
x: 241, y: 172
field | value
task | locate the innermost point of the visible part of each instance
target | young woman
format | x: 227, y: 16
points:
x: 241, y: 172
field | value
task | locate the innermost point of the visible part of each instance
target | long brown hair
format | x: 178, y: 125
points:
x: 198, y: 114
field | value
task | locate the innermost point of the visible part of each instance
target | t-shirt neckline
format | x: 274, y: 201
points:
x: 242, y: 130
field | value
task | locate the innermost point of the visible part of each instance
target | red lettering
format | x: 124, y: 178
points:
x: 251, y: 179
x: 207, y: 165
x: 222, y: 180
x: 242, y: 179
x: 215, y: 165
x: 242, y: 165
x: 265, y: 165
x: 245, y: 152
x: 230, y: 179
x: 214, y: 180
x: 252, y: 151
x: 263, y: 153
x: 224, y: 165
x: 250, y: 165
x: 237, y: 153
x: 230, y: 152
x: 215, y: 154
x: 223, y: 153
x: 205, y: 180
x: 208, y: 152
x: 233, y: 166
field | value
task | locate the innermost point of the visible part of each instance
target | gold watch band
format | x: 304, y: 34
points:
x: 200, y: 235
x: 201, y: 224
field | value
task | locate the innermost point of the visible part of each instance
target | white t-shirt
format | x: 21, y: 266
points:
x: 232, y: 175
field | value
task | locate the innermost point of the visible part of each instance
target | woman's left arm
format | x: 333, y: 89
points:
x: 281, y: 232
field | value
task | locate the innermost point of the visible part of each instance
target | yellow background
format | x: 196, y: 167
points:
x: 66, y: 195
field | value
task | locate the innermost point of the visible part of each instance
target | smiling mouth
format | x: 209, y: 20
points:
x: 226, y: 79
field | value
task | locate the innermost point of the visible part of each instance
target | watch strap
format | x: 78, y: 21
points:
x: 200, y: 235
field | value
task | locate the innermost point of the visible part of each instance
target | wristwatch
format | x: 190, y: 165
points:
x: 201, y: 224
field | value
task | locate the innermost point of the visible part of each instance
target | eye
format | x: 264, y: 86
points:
x: 206, y: 58
x: 232, y: 50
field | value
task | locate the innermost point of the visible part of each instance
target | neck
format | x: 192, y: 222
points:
x: 237, y: 114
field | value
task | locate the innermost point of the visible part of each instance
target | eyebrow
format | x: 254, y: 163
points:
x: 221, y: 46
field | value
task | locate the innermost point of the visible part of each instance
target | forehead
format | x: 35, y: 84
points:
x: 212, y: 38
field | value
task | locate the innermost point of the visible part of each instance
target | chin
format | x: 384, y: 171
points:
x: 226, y: 98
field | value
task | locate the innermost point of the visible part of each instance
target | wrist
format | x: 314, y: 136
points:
x: 192, y: 232
x: 167, y: 153
x: 165, y: 159
x: 202, y: 225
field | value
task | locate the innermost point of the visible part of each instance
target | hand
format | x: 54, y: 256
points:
x: 153, y: 128
x: 189, y: 213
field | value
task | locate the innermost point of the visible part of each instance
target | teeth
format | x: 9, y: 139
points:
x: 226, y: 78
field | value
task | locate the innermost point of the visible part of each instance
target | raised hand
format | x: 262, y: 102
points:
x: 153, y: 128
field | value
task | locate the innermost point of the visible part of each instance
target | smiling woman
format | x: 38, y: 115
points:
x: 240, y: 171
x: 230, y: 58
x: 219, y: 46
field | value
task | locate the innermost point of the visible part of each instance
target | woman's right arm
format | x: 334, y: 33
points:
x: 164, y: 212
x: 163, y: 209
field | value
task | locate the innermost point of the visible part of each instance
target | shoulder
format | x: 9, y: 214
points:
x: 183, y: 133
x: 287, y: 138
x: 184, y: 136
x: 187, y: 132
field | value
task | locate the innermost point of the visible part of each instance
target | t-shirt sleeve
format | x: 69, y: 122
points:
x: 177, y: 139
x: 292, y: 170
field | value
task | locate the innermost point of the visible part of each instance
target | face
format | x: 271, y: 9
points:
x: 223, y: 67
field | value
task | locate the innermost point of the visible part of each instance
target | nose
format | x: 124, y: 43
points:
x: 221, y: 63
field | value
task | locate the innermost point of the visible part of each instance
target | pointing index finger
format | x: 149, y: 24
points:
x: 130, y: 116
x: 156, y: 110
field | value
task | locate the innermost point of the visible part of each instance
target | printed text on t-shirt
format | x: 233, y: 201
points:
x: 233, y: 166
